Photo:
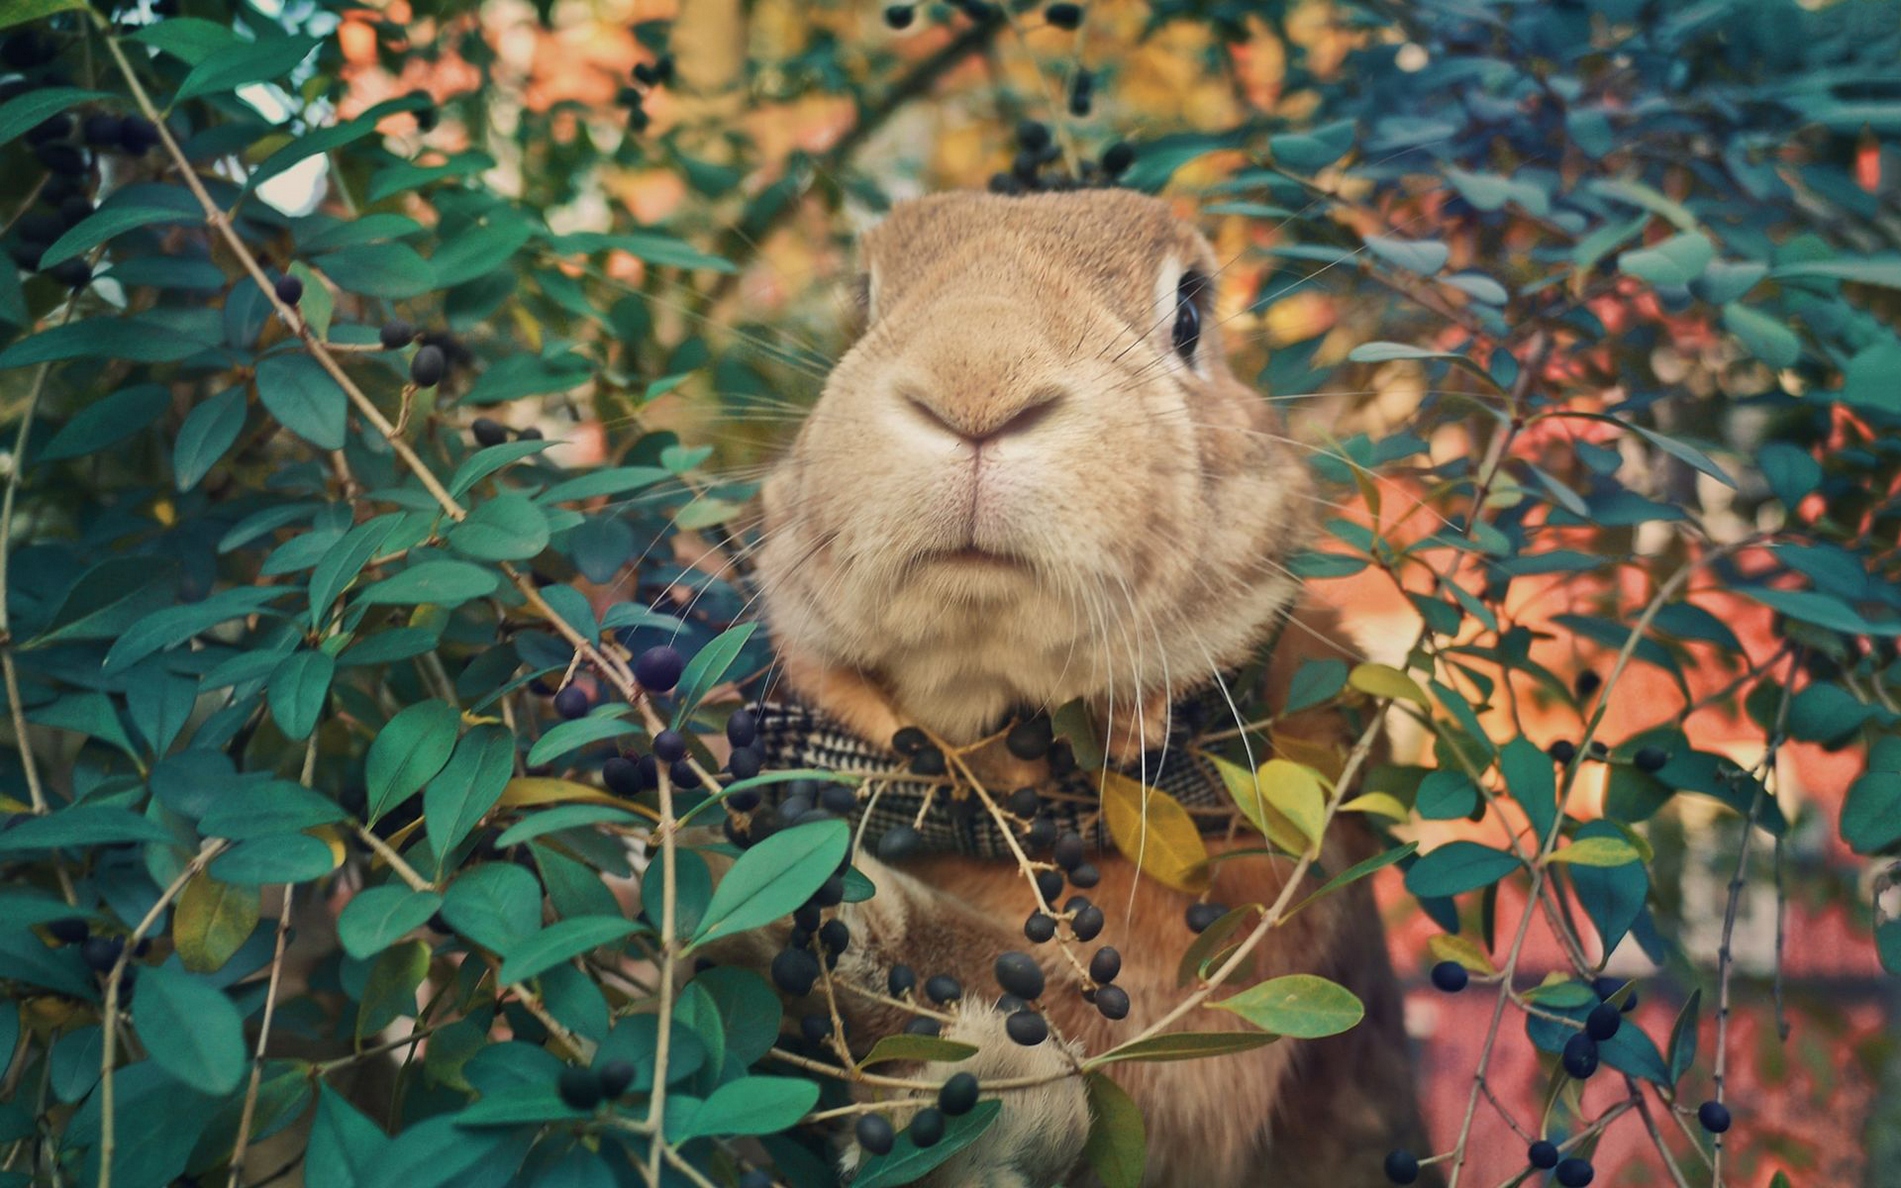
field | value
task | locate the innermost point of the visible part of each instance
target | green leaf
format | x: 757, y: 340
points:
x: 484, y: 462
x: 389, y: 993
x: 189, y: 39
x: 708, y: 668
x: 113, y: 220
x: 774, y: 877
x: 304, y: 399
x: 1766, y: 337
x: 910, y: 1048
x: 408, y: 752
x: 567, y: 816
x: 1882, y: 270
x: 1458, y: 867
x: 1677, y: 260
x: 1294, y: 790
x: 651, y: 247
x: 906, y: 1162
x: 107, y: 421
x: 241, y: 65
x: 19, y: 12
x: 1301, y: 1005
x: 455, y: 801
x: 378, y: 917
x: 389, y: 270
x: 342, y: 562
x: 1385, y: 681
x: 1532, y: 780
x: 1867, y: 378
x: 497, y: 905
x: 692, y: 890
x: 615, y: 480
x: 1358, y: 871
x: 440, y: 581
x: 1871, y: 812
x: 1685, y: 452
x: 212, y: 922
x: 299, y: 688
x: 190, y: 1028
x: 130, y: 339
x: 1635, y: 193
x: 1117, y: 1150
x: 276, y: 858
x: 565, y: 737
x: 1683, y: 1035
x: 474, y: 252
x: 1186, y: 1045
x: 750, y: 1105
x: 86, y: 825
x: 345, y: 1148
x: 40, y: 104
x: 562, y: 941
x: 1597, y: 851
x: 508, y: 527
x: 1423, y: 256
x: 208, y: 431
x: 259, y: 809
x: 1823, y: 610
x: 1310, y: 152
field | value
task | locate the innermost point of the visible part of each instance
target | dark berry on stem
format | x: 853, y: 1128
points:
x: 1402, y: 1167
x: 1082, y: 90
x: 571, y: 701
x: 137, y: 135
x: 899, y: 16
x: 1029, y: 739
x: 900, y: 981
x: 488, y: 432
x: 396, y: 335
x: 831, y: 892
x: 1087, y: 923
x: 1606, y: 987
x: 681, y: 773
x: 1023, y: 803
x: 616, y: 1076
x: 1105, y: 965
x: 1714, y: 1116
x: 658, y: 669
x: 959, y: 1095
x: 669, y: 746
x: 1032, y: 135
x: 1019, y: 974
x: 741, y: 728
x: 794, y: 971
x: 103, y: 130
x: 1069, y: 851
x: 929, y: 761
x: 530, y: 434
x: 74, y: 273
x: 579, y: 1088
x: 1039, y: 928
x: 1543, y: 1154
x: 909, y: 741
x: 290, y: 290
x: 1027, y: 1028
x: 1574, y: 1173
x: 1117, y: 158
x: 1050, y: 883
x: 835, y: 935
x: 927, y: 1128
x: 1587, y: 683
x: 1113, y: 1002
x: 1649, y: 759
x: 71, y: 930
x: 923, y: 1026
x: 942, y: 989
x: 426, y: 369
x: 899, y: 842
x: 875, y: 1134
x: 744, y: 763
x: 815, y: 1028
x: 1064, y: 16
x: 1562, y: 751
x: 1201, y: 915
x: 1603, y: 1021
x: 755, y: 1179
x: 1042, y: 832
x: 1450, y: 976
x: 837, y: 798
x: 1085, y: 876
x: 808, y: 917
x: 1580, y: 1056
x: 101, y: 952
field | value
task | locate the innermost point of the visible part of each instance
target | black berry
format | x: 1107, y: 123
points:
x: 929, y: 761
x: 1023, y: 803
x: 900, y: 981
x: 942, y: 989
x: 658, y: 669
x: 488, y: 432
x: 831, y: 892
x: 616, y: 1076
x: 1113, y: 1002
x: 837, y: 798
x: 794, y: 971
x: 1201, y: 915
x: 1082, y: 91
x: 1603, y: 1021
x: 1042, y: 832
x: 1606, y: 987
x: 669, y: 746
x: 816, y: 1028
x: 741, y: 728
x: 1105, y: 965
x: 1019, y: 974
x: 1069, y: 851
x: 71, y: 930
x: 899, y: 842
x: 1580, y: 1056
x: 1714, y: 1116
x: 959, y: 1095
x: 103, y: 130
x: 835, y: 936
x: 1402, y: 1167
x: 101, y: 952
x: 580, y: 1088
x: 1050, y: 883
x: 1087, y: 923
x: 396, y: 335
x: 137, y: 135
x: 927, y: 1128
x: 1648, y: 759
x: 1450, y: 976
x: 290, y: 290
x: 1562, y: 751
x: 1029, y: 739
x: 909, y: 741
x: 1027, y: 1028
x: 1039, y: 928
x: 1574, y: 1173
x: 923, y: 1026
x: 426, y: 369
x: 1117, y: 158
x: 571, y: 701
x: 1543, y: 1154
x: 744, y: 763
x: 899, y: 16
x: 1064, y: 16
x: 875, y: 1134
x: 1587, y: 683
x: 74, y: 273
x: 1085, y: 876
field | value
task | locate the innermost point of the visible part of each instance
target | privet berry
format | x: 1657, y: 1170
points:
x: 909, y: 741
x: 1450, y: 976
x: 669, y: 746
x: 102, y: 130
x: 898, y: 842
x: 658, y: 669
x: 835, y: 936
x: 1039, y: 928
x: 837, y: 798
x: 1113, y: 1002
x: 426, y: 369
x: 927, y: 1127
x: 101, y: 953
x: 1649, y: 759
x: 1562, y: 751
x: 1087, y: 923
x: 831, y: 892
x: 1027, y: 1028
x: 70, y: 930
x: 571, y: 701
x: 488, y: 432
x: 290, y: 290
x: 1064, y: 16
x: 1105, y: 965
x: 922, y: 1026
x: 1050, y: 883
x: 741, y: 728
x: 621, y: 776
x: 875, y: 1134
x: 899, y: 16
x: 1574, y: 1173
x: 1023, y: 803
x: 1042, y: 833
x: 901, y: 980
x: 1085, y: 876
x: 616, y: 1077
x: 1029, y: 739
x: 816, y: 1028
x: 744, y: 763
x: 1580, y: 1056
x: 1201, y: 915
x: 929, y: 761
x: 943, y: 989
x: 1019, y: 974
x: 1603, y: 1021
x: 1082, y: 90
x: 794, y: 971
x: 1606, y: 987
x: 1714, y: 1116
x: 1117, y: 158
x: 1069, y: 851
x: 1402, y: 1167
x: 396, y: 335
x: 1543, y: 1154
x: 580, y: 1088
x: 958, y: 1096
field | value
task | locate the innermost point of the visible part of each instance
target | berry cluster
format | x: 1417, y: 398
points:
x: 586, y: 1088
x: 100, y: 953
x: 1037, y: 151
x: 955, y: 1098
x: 650, y: 77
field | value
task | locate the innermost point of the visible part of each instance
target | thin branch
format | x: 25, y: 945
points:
x: 264, y: 1028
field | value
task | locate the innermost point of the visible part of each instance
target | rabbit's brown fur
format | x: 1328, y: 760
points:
x: 1015, y: 491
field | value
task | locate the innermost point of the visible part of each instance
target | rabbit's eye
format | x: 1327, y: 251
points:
x: 1188, y: 313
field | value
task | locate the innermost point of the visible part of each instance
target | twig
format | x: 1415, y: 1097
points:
x: 669, y: 946
x: 403, y: 870
x: 264, y: 1029
x: 1656, y: 1135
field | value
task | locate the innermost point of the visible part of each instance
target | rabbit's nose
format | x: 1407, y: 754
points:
x: 981, y: 421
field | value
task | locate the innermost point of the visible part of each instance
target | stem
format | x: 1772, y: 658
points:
x: 263, y: 1031
x: 669, y: 946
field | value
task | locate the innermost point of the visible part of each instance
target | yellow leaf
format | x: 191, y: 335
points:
x: 1464, y: 951
x: 1598, y: 851
x: 1377, y: 802
x: 213, y: 920
x: 1328, y: 760
x: 1383, y: 680
x: 540, y: 790
x: 1294, y: 789
x: 1150, y: 827
x: 1252, y: 800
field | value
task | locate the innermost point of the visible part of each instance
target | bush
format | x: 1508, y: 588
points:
x: 311, y: 512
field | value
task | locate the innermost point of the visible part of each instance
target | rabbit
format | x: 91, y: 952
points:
x: 1033, y: 480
